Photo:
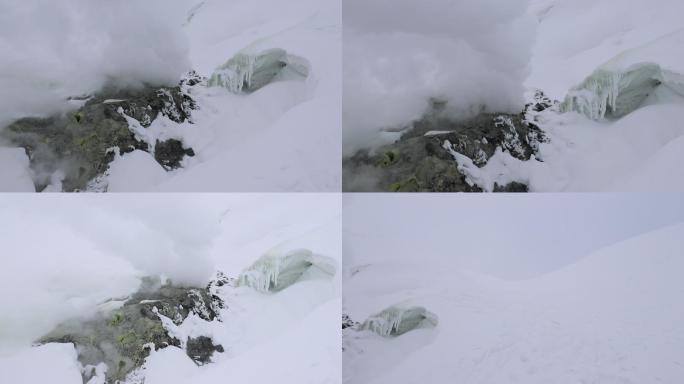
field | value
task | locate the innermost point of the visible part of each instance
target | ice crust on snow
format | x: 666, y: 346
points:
x: 397, y: 320
x: 247, y: 72
x: 273, y: 272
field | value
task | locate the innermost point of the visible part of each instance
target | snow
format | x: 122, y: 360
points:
x: 137, y: 170
x: 436, y: 133
x: 100, y: 247
x: 613, y: 315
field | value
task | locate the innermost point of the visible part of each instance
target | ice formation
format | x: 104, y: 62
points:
x: 651, y: 73
x: 247, y: 72
x: 609, y: 93
x: 397, y: 320
x: 273, y: 272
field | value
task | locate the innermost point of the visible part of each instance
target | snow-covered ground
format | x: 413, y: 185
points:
x: 283, y: 137
x: 65, y: 255
x: 610, y: 315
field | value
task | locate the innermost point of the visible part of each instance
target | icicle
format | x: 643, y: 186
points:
x: 272, y: 272
x: 397, y: 320
x: 612, y: 92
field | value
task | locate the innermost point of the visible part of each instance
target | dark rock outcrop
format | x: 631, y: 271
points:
x: 170, y: 153
x: 81, y: 145
x: 347, y: 322
x: 420, y: 160
x: 201, y: 349
x: 122, y: 338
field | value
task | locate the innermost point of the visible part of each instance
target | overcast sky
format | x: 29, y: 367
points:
x: 509, y: 236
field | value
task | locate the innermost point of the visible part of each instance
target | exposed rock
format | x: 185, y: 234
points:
x: 201, y: 349
x: 81, y: 145
x: 347, y: 322
x: 170, y: 153
x: 122, y: 338
x: 419, y: 162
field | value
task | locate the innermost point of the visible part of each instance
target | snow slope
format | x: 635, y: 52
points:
x: 91, y: 249
x: 615, y: 316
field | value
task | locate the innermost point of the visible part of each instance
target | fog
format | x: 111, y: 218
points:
x: 55, y: 49
x: 472, y: 53
x: 506, y: 236
x: 63, y: 255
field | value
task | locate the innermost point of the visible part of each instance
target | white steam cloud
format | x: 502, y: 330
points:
x: 399, y: 53
x: 64, y: 255
x: 55, y: 49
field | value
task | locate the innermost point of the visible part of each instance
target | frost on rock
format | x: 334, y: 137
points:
x: 247, y: 72
x: 613, y: 93
x: 273, y: 273
x: 397, y: 320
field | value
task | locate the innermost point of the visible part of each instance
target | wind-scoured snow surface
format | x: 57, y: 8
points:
x: 398, y: 54
x: 63, y: 257
x: 283, y: 137
x: 588, y: 291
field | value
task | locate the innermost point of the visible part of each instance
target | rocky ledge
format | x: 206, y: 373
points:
x: 422, y: 159
x: 79, y: 146
x: 117, y: 341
